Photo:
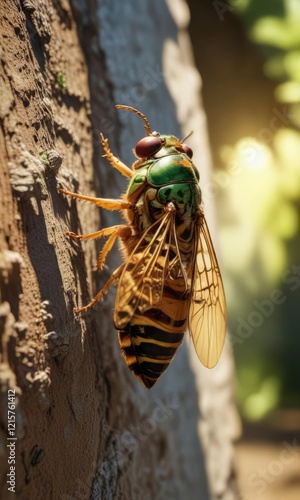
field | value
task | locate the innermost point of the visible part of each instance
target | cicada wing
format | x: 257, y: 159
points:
x: 142, y: 280
x: 207, y: 316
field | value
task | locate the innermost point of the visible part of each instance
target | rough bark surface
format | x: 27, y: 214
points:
x: 46, y: 354
x: 85, y: 427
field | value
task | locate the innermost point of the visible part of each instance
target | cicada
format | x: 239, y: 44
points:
x: 169, y: 280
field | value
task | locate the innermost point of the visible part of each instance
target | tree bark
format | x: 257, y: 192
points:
x: 84, y: 426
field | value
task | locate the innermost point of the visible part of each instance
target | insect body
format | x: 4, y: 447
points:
x: 170, y: 279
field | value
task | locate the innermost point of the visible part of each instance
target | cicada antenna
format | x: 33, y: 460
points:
x: 137, y: 112
x: 187, y: 136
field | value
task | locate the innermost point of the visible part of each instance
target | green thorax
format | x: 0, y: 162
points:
x: 167, y: 167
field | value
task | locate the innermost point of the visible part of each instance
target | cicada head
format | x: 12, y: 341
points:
x: 154, y: 142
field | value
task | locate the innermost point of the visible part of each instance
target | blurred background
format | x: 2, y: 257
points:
x: 248, y: 54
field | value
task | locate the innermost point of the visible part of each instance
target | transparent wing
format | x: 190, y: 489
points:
x: 207, y: 316
x: 142, y: 280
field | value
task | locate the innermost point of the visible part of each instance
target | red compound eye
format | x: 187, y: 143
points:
x: 187, y: 150
x: 148, y: 146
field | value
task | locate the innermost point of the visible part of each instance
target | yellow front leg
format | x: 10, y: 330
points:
x: 113, y: 160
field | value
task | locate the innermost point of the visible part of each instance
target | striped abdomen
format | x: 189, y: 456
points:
x: 148, y: 351
x: 150, y: 341
x: 151, y: 338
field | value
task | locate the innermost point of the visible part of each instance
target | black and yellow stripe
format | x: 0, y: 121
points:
x: 148, y: 351
x: 150, y: 341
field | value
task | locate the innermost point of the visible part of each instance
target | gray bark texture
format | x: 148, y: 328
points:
x: 85, y: 427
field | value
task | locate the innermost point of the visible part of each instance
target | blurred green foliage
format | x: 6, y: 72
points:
x: 260, y: 237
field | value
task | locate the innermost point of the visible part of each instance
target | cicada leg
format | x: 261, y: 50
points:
x: 114, y: 277
x: 122, y: 230
x: 118, y: 230
x: 106, y: 203
x: 113, y: 160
